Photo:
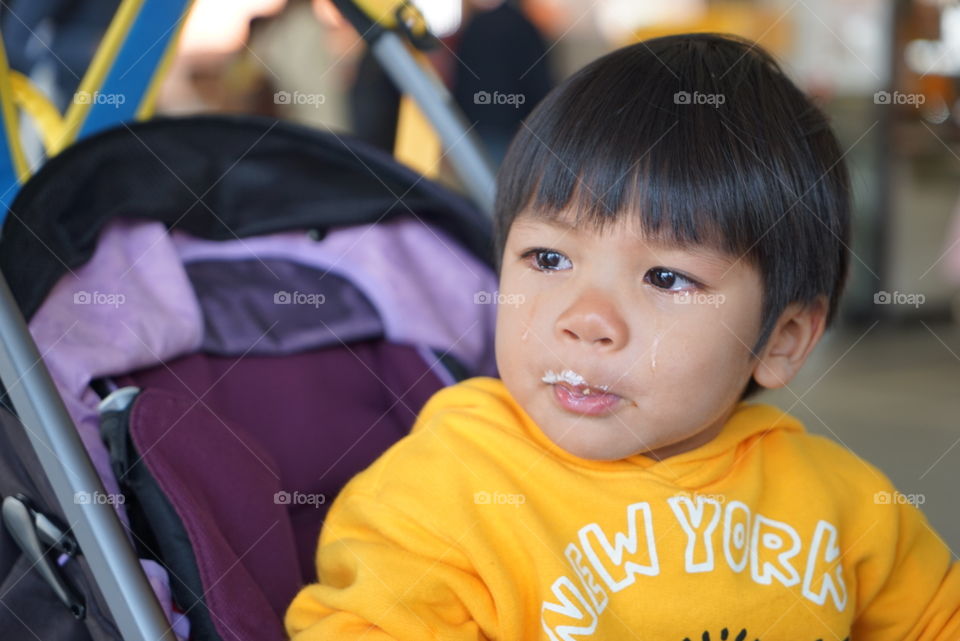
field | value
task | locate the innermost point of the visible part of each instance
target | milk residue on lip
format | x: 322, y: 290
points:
x: 570, y: 377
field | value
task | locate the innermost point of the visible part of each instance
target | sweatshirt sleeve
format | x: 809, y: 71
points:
x: 382, y: 575
x: 914, y: 592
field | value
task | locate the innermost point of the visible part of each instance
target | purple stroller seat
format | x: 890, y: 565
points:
x: 264, y: 322
x: 227, y: 440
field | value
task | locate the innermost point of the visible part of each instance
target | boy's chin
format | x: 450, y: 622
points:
x: 589, y: 442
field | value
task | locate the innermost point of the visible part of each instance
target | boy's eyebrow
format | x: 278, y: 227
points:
x: 714, y: 258
x: 705, y: 253
x: 560, y: 222
x: 529, y: 221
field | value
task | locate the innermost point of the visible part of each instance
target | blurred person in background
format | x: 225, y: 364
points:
x: 248, y: 86
x: 302, y: 55
x: 502, y: 71
x: 374, y: 103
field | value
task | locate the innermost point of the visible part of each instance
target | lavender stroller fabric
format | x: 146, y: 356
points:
x: 148, y: 297
x: 109, y: 317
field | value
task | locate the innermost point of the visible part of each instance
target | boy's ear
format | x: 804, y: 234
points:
x: 796, y: 333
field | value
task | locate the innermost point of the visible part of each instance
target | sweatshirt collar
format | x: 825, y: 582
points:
x: 747, y: 423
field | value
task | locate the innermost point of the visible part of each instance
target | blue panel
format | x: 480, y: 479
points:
x: 9, y: 184
x: 133, y: 70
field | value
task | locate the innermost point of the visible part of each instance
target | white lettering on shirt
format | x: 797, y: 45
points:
x: 626, y: 568
x: 699, y: 531
x: 771, y: 548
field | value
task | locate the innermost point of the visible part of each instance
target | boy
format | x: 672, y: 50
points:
x: 673, y: 224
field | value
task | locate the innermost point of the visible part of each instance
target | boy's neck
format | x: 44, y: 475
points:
x: 697, y: 440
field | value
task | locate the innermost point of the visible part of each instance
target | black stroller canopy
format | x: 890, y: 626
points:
x: 268, y: 397
x: 215, y: 177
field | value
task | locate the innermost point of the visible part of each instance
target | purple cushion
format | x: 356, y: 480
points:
x: 218, y: 479
x: 223, y: 435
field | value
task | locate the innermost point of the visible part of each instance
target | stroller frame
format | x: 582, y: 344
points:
x: 95, y: 525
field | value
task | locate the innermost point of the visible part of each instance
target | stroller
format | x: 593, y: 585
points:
x: 239, y: 314
x: 228, y: 317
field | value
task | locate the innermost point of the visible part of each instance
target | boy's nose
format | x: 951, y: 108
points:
x: 595, y: 321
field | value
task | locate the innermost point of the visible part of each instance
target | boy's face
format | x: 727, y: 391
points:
x: 666, y: 330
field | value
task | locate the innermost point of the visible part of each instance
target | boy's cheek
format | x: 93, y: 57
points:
x: 719, y: 317
x: 692, y: 356
x: 740, y: 323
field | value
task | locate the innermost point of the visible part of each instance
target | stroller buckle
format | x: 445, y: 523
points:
x: 36, y: 534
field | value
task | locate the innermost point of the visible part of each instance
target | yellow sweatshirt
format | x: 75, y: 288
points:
x: 477, y: 526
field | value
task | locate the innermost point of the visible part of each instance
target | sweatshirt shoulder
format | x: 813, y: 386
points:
x: 457, y: 426
x: 480, y: 395
x: 836, y: 465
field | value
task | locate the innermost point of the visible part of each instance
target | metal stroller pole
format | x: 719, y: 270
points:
x: 65, y: 462
x: 387, y: 26
x: 436, y: 102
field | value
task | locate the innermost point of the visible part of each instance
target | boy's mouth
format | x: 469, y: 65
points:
x: 574, y: 381
x: 572, y: 392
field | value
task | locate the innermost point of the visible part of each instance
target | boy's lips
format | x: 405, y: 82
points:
x: 576, y: 382
x: 584, y: 400
x: 575, y: 394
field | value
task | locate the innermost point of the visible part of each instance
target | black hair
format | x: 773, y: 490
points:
x: 706, y: 141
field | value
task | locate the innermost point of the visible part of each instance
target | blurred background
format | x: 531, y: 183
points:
x: 885, y: 381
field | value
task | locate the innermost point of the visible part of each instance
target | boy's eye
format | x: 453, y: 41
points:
x: 548, y: 260
x: 664, y: 278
